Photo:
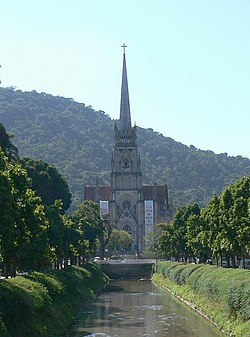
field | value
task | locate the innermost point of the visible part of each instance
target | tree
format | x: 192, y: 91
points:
x: 240, y: 216
x: 7, y: 211
x: 8, y: 148
x: 33, y: 250
x: 151, y: 241
x: 197, y: 239
x: 228, y: 232
x: 57, y: 232
x: 120, y: 240
x: 87, y: 221
x: 47, y: 182
x: 166, y: 243
x: 23, y: 227
x: 175, y: 235
x: 221, y: 229
x: 73, y: 237
x: 104, y: 236
x: 211, y: 234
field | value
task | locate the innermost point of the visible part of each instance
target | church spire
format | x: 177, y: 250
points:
x: 125, y: 118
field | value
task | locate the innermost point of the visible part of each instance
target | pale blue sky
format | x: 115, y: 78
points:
x: 188, y: 62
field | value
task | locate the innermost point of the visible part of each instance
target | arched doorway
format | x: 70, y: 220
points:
x: 128, y: 225
x: 127, y: 228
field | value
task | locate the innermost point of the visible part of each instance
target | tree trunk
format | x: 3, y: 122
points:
x: 13, y: 267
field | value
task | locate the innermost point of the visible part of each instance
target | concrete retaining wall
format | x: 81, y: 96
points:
x: 126, y: 269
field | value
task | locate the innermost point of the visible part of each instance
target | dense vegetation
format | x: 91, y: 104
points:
x: 78, y: 140
x: 35, y: 231
x: 221, y: 294
x: 221, y: 229
x: 45, y: 304
x: 47, y: 182
x: 119, y: 241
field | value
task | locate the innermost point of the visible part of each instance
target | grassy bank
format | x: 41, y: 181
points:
x: 223, y: 295
x: 45, y: 304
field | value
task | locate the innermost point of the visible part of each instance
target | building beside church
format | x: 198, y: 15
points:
x: 132, y: 206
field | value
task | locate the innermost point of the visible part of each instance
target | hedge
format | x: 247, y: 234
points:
x: 223, y: 294
x: 45, y: 304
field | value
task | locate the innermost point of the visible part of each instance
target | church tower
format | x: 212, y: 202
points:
x: 126, y: 179
x: 130, y: 205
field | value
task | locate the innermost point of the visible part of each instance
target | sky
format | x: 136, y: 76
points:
x: 188, y: 62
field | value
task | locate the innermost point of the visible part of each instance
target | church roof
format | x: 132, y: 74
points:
x: 97, y: 193
x: 159, y: 193
x: 125, y: 117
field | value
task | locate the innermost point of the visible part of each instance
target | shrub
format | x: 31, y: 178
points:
x: 229, y: 287
x: 45, y: 304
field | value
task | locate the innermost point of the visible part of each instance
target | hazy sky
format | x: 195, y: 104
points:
x: 188, y: 62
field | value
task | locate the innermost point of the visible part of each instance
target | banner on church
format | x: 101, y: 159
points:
x: 104, y: 207
x: 149, y: 214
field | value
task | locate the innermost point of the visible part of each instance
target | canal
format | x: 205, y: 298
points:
x: 135, y: 308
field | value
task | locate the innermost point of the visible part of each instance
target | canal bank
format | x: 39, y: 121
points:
x: 221, y: 295
x: 46, y: 304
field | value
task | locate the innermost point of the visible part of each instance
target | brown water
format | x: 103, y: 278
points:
x: 137, y: 309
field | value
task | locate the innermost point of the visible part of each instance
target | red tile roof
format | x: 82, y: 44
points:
x: 153, y: 192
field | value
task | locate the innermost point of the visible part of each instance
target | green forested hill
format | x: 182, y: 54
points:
x: 78, y: 140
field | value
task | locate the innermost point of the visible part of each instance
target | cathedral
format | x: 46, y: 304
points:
x: 131, y: 205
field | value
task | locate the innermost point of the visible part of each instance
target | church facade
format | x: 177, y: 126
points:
x: 131, y: 205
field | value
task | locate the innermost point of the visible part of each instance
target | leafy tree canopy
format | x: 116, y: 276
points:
x: 221, y: 229
x: 47, y: 182
x: 23, y: 239
x: 8, y: 148
x: 119, y: 240
x: 88, y: 222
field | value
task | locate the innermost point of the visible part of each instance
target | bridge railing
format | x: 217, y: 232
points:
x: 128, y: 261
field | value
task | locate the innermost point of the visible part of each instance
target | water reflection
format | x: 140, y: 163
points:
x: 134, y: 308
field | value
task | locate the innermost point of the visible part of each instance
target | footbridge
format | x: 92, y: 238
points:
x: 130, y: 268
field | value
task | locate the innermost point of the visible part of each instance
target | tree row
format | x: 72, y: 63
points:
x: 35, y: 231
x: 219, y: 231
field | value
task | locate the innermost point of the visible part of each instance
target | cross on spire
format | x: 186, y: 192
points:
x: 125, y: 119
x: 124, y: 46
